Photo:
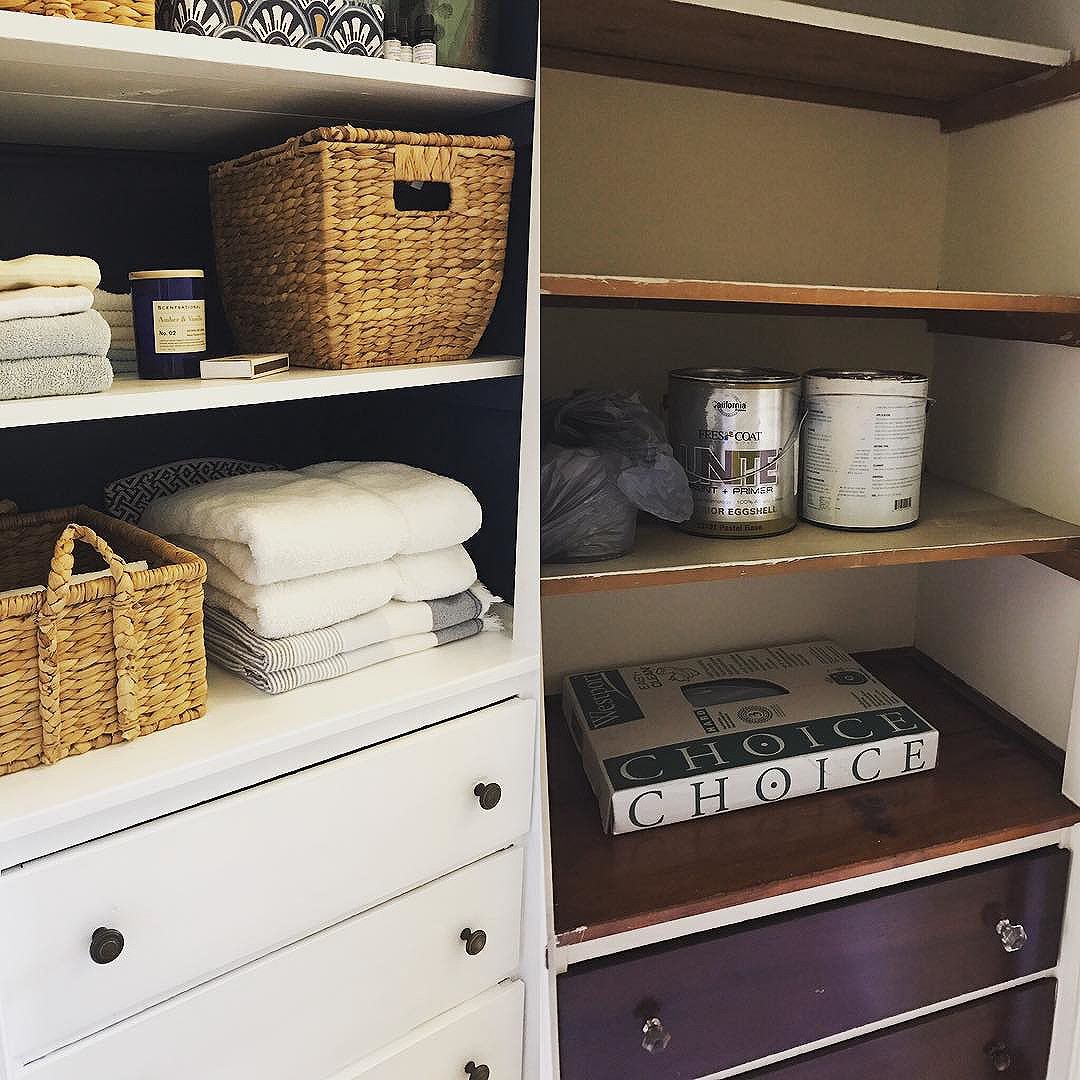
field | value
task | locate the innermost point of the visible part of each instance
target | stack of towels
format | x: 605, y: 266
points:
x: 51, y: 341
x: 115, y: 309
x: 316, y: 573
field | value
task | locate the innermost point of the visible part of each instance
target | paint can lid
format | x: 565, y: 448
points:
x: 867, y: 375
x: 737, y: 376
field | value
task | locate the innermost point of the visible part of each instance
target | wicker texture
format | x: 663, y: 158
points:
x: 315, y: 259
x: 88, y: 664
x: 122, y: 13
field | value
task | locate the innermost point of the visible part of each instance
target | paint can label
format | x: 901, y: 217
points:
x: 862, y: 452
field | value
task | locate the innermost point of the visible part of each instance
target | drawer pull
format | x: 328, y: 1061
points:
x: 106, y: 945
x: 489, y: 795
x: 999, y: 1057
x: 475, y: 940
x: 1013, y: 935
x: 654, y: 1036
x: 477, y: 1072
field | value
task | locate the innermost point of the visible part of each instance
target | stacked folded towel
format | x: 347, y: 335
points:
x: 51, y: 342
x: 115, y: 309
x: 315, y: 573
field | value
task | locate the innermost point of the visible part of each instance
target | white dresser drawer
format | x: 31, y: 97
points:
x: 485, y: 1032
x: 203, y: 890
x: 308, y: 1010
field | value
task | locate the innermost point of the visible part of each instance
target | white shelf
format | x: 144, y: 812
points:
x: 246, y: 729
x: 131, y: 396
x: 76, y: 83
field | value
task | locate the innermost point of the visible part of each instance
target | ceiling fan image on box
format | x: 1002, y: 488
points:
x: 701, y: 695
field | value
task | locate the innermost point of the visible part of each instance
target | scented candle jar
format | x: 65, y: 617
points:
x: 170, y: 322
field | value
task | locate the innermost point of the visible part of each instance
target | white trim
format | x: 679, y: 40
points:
x: 881, y: 1025
x: 870, y: 26
x: 795, y: 901
x: 131, y: 396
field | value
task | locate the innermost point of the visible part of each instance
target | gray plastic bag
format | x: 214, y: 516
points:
x: 606, y: 456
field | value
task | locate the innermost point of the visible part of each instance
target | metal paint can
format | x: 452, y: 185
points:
x: 862, y: 448
x: 734, y: 431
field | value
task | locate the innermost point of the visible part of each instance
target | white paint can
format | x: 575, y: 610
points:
x: 862, y: 448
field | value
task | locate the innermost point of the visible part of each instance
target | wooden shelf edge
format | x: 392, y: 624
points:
x: 1062, y: 555
x: 1015, y: 99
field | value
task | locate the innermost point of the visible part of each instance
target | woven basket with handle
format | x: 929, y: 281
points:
x: 316, y: 259
x: 122, y: 12
x: 86, y: 664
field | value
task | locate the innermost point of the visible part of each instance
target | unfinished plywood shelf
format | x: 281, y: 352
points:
x: 957, y: 523
x: 992, y: 784
x: 791, y: 50
x: 1015, y: 316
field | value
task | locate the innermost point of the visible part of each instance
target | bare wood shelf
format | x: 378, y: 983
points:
x: 1015, y: 316
x: 797, y: 51
x: 994, y: 782
x: 957, y: 523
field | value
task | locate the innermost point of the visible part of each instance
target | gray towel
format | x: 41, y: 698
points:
x: 229, y: 637
x: 84, y: 334
x: 277, y: 682
x: 53, y: 375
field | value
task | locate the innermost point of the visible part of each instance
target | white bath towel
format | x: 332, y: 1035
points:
x: 112, y: 301
x: 43, y: 300
x: 33, y: 270
x: 52, y: 376
x: 313, y: 603
x: 83, y: 334
x: 278, y: 526
x: 439, y: 511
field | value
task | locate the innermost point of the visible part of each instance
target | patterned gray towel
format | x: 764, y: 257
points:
x: 278, y: 682
x: 242, y: 649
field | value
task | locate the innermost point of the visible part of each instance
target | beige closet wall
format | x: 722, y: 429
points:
x: 654, y: 180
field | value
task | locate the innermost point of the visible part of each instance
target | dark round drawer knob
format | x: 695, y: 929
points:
x: 1000, y: 1058
x: 488, y: 795
x: 477, y: 1072
x: 475, y: 940
x: 106, y: 945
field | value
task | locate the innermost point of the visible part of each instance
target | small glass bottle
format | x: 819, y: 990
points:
x: 391, y: 49
x: 406, y: 43
x: 424, y: 48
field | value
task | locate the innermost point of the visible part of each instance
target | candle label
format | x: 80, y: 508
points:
x: 179, y: 326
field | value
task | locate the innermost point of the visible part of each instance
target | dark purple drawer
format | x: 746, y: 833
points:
x: 728, y: 997
x: 1007, y: 1035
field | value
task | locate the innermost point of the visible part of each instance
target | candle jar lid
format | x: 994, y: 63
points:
x: 140, y: 275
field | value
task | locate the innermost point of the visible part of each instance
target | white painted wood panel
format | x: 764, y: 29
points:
x: 486, y: 1031
x: 310, y: 1009
x: 202, y: 891
x: 131, y: 396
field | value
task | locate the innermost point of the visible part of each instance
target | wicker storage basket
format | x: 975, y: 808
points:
x: 122, y: 12
x: 87, y: 664
x: 315, y: 259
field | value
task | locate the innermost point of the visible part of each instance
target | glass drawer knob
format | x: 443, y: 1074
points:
x: 999, y: 1056
x: 488, y: 795
x: 1013, y: 935
x: 106, y: 945
x: 654, y: 1036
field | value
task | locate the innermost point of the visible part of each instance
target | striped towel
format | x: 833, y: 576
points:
x: 227, y: 635
x: 278, y: 682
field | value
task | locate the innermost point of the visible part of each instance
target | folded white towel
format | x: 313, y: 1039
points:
x: 118, y: 320
x: 277, y: 526
x: 83, y: 334
x: 439, y: 511
x: 43, y: 300
x: 112, y: 301
x: 33, y: 270
x: 292, y: 607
